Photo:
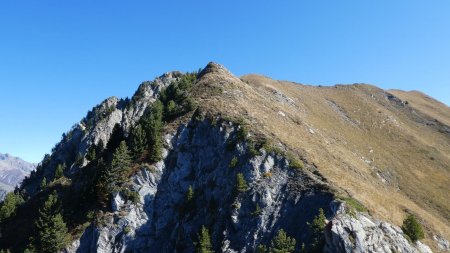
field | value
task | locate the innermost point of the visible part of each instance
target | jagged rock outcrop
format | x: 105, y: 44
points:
x: 278, y: 197
x: 358, y: 233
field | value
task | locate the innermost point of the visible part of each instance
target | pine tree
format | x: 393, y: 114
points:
x: 59, y: 172
x: 91, y: 154
x: 261, y: 249
x: 121, y: 161
x: 152, y: 122
x: 99, y: 148
x: 282, y: 243
x: 117, y: 136
x: 52, y: 233
x: 317, y: 226
x: 9, y: 206
x: 412, y: 228
x: 204, y: 242
x: 138, y: 141
x: 115, y: 173
x: 171, y: 109
x: 43, y: 183
x: 100, y: 181
x: 190, y: 194
x: 29, y: 250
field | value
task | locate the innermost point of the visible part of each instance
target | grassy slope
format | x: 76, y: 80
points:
x: 382, y: 152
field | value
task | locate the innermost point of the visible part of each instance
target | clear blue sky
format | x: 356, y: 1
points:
x: 60, y: 58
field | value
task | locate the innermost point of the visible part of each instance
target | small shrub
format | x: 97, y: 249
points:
x: 90, y: 215
x: 296, y: 164
x: 234, y: 162
x: 261, y: 249
x: 190, y: 104
x: 273, y: 149
x: 132, y: 196
x: 171, y: 108
x: 252, y: 150
x: 127, y: 229
x: 412, y: 228
x: 257, y: 211
x: 241, y: 184
x: 241, y: 134
x: 213, y: 122
x: 353, y: 206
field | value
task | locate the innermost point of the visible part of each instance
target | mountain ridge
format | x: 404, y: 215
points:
x: 315, y: 147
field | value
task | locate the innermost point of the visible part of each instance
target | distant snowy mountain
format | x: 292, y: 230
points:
x: 12, y: 171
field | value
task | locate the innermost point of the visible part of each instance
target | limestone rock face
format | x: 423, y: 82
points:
x: 360, y: 233
x: 196, y: 156
x: 443, y: 244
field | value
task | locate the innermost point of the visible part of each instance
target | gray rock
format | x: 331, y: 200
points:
x: 358, y: 233
x: 443, y: 244
x: 196, y: 156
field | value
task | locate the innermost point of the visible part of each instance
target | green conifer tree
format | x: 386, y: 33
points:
x: 43, y: 183
x: 99, y: 149
x: 190, y: 194
x: 171, y: 109
x: 9, y: 206
x: 117, y: 136
x: 412, y: 228
x: 100, y: 181
x: 29, y: 250
x: 317, y: 226
x: 59, y: 172
x: 282, y: 243
x: 204, y: 242
x: 115, y: 173
x: 241, y: 184
x: 138, y: 141
x: 153, y: 125
x: 91, y: 154
x: 52, y: 233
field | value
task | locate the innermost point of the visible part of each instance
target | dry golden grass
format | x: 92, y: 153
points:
x: 382, y: 152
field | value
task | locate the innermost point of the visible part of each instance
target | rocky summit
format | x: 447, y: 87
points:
x: 210, y: 162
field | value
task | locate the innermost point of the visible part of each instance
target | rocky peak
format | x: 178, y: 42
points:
x: 12, y: 171
x: 212, y: 67
x: 216, y: 72
x: 248, y: 180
